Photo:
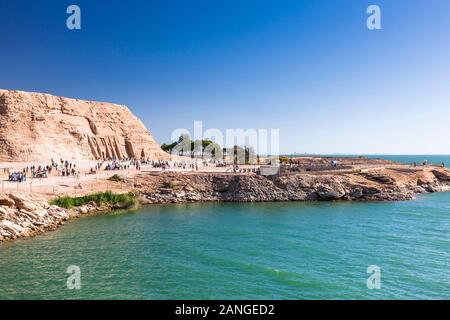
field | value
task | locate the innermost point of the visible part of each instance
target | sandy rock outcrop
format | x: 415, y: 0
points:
x: 36, y: 127
x: 376, y: 185
x: 23, y: 216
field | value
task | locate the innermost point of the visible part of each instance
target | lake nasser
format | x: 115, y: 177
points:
x: 286, y: 250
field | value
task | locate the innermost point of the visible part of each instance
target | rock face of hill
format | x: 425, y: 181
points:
x: 373, y: 185
x: 36, y: 127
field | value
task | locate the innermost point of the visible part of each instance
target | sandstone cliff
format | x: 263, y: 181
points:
x: 37, y: 127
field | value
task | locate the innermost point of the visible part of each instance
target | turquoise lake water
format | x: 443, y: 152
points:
x: 432, y: 159
x: 405, y: 159
x: 241, y: 251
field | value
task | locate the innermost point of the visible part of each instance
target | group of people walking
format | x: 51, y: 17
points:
x: 63, y: 168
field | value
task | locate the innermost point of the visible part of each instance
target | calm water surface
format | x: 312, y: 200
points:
x: 251, y: 251
x: 404, y: 159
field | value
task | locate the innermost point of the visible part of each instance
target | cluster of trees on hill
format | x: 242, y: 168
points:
x: 187, y: 147
x: 207, y: 148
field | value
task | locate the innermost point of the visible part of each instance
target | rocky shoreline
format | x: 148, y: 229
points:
x: 23, y: 215
x: 371, y: 185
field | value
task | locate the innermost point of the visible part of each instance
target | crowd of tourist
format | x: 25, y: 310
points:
x: 155, y: 164
x: 125, y: 164
x: 63, y: 168
x: 17, y: 176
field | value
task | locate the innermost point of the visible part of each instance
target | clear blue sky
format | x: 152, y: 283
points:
x: 310, y: 68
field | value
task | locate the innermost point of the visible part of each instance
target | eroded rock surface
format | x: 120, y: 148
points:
x: 22, y: 216
x: 373, y: 185
x: 36, y: 127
